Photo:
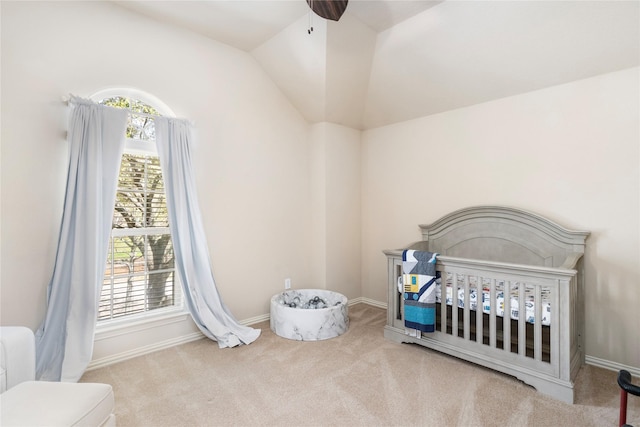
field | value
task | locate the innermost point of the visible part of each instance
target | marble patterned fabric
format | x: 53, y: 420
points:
x: 309, y: 314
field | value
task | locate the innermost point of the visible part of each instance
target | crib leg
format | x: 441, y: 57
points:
x: 623, y: 408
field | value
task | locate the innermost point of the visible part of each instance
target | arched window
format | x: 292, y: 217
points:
x: 140, y: 276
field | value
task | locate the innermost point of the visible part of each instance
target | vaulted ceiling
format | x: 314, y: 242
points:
x: 388, y: 61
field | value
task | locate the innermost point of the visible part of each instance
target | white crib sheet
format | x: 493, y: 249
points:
x: 486, y: 300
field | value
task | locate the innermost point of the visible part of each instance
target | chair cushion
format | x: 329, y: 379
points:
x: 43, y: 403
x: 17, y: 355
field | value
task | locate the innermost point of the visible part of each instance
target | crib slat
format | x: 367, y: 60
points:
x: 522, y: 320
x: 492, y: 313
x: 556, y: 324
x: 466, y: 310
x: 443, y: 302
x: 537, y: 326
x: 479, y: 312
x: 454, y: 304
x: 506, y: 318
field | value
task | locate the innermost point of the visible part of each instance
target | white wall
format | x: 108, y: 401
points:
x: 350, y: 51
x: 251, y: 158
x: 336, y: 212
x: 569, y: 153
x: 324, y: 73
x: 297, y: 63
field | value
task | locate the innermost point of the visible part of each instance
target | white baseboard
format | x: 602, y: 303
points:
x: 253, y: 320
x: 612, y: 366
x: 368, y: 301
x: 161, y: 345
x: 140, y: 351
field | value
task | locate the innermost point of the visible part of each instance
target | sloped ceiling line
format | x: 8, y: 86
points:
x: 415, y: 58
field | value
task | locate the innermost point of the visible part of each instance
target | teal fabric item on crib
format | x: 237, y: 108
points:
x: 419, y: 278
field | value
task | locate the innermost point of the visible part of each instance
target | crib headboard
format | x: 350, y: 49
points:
x: 503, y: 234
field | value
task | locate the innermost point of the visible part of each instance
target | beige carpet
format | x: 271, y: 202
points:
x: 357, y: 379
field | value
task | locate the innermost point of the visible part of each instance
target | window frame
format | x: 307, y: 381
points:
x: 164, y: 315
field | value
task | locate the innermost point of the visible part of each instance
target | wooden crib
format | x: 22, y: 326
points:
x: 510, y: 295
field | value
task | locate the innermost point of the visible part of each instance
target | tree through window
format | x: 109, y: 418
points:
x: 140, y: 271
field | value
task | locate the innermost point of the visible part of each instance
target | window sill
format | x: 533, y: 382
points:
x: 114, y: 328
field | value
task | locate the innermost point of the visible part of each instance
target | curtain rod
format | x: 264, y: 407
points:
x: 66, y: 99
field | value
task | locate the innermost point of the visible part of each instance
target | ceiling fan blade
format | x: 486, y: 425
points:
x: 328, y: 9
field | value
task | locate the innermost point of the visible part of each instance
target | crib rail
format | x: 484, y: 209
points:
x: 509, y: 329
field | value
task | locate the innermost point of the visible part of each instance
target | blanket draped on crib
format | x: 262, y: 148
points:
x: 419, y: 291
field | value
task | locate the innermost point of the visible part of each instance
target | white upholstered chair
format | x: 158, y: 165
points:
x: 26, y: 402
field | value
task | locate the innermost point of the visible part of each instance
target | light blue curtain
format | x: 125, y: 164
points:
x: 64, y: 341
x: 173, y: 138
